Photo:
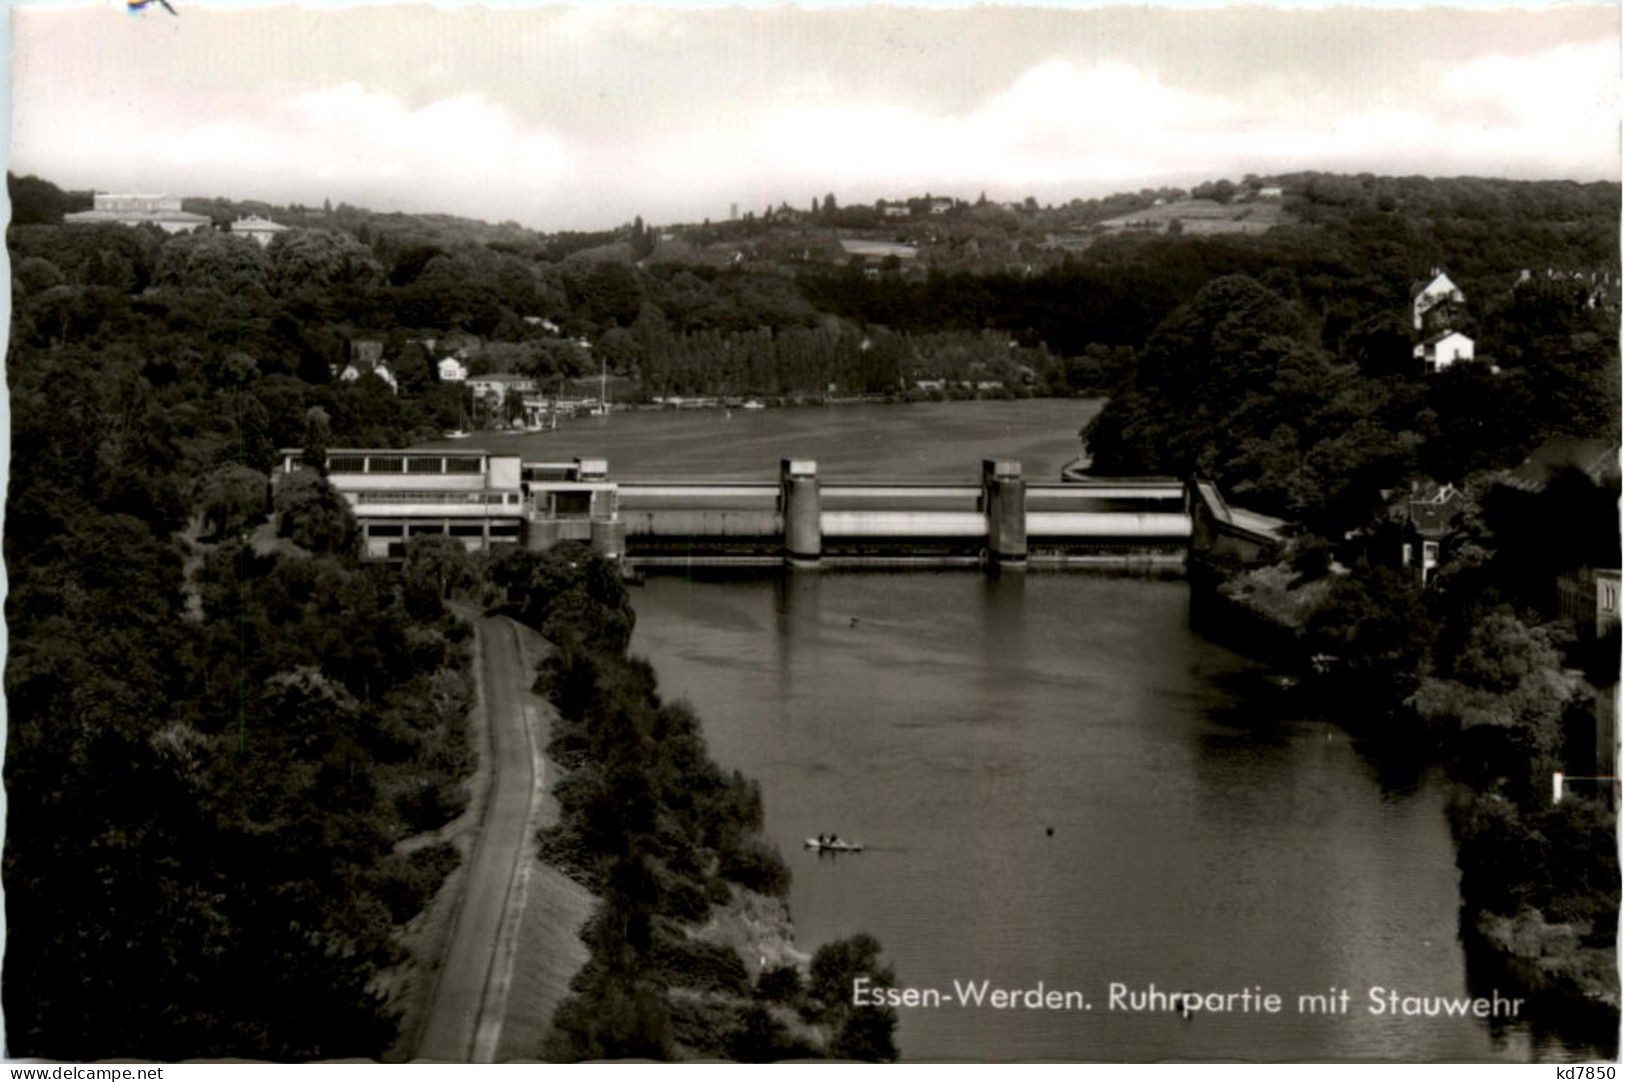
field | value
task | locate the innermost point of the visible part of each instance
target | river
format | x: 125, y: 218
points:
x: 926, y: 441
x: 1056, y: 779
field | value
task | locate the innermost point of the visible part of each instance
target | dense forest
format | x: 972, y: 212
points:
x: 1303, y: 401
x: 732, y: 308
x: 661, y: 835
x: 216, y: 739
x: 220, y: 729
x: 1478, y: 670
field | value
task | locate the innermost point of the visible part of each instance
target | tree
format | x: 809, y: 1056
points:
x: 863, y: 1033
x: 313, y: 515
x: 643, y: 238
x: 211, y: 260
x: 37, y: 274
x: 232, y: 499
x: 1372, y: 635
x: 605, y: 293
x: 1381, y: 345
x: 1220, y: 191
x: 1506, y: 691
x: 443, y: 563
x: 36, y: 201
x: 321, y: 259
x: 318, y: 430
x: 415, y: 368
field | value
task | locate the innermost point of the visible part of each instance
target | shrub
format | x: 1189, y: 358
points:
x: 313, y: 515
x: 693, y: 963
x: 756, y: 865
x: 407, y: 883
x: 231, y: 499
x: 779, y: 984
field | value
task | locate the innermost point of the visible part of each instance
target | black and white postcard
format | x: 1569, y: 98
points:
x: 917, y: 532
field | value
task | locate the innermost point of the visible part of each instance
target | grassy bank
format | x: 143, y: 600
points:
x: 690, y: 949
x: 1492, y: 699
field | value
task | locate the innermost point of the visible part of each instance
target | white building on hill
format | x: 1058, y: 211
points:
x: 130, y: 208
x: 1439, y: 351
x: 263, y: 230
x: 1434, y: 297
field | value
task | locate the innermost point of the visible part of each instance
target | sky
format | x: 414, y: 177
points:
x: 580, y: 117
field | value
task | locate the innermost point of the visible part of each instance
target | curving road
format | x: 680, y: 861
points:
x: 466, y: 1010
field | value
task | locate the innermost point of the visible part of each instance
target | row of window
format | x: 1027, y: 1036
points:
x: 391, y: 496
x: 494, y: 530
x: 405, y: 464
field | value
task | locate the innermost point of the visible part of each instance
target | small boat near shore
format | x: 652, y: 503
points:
x: 824, y: 845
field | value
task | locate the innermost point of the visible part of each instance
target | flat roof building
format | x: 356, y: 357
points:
x: 131, y: 208
x: 471, y: 495
x: 262, y: 230
x: 482, y: 499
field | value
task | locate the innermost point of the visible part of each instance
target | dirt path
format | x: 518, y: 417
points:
x: 550, y: 950
x: 470, y: 995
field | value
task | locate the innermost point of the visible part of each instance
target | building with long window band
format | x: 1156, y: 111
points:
x: 486, y: 500
x: 395, y: 495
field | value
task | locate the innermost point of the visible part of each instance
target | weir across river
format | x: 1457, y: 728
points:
x: 804, y: 521
x: 1003, y: 520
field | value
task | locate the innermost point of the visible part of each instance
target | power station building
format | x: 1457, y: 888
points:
x: 486, y: 500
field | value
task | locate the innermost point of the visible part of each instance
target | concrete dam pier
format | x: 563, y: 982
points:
x: 802, y: 520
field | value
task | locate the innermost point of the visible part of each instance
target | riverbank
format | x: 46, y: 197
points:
x: 1507, y: 849
x: 548, y: 951
x: 1552, y: 959
x: 689, y: 951
x: 1196, y: 818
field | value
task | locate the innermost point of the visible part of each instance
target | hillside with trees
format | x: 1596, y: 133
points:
x: 771, y: 306
x: 220, y: 729
x: 673, y: 847
x: 1304, y: 402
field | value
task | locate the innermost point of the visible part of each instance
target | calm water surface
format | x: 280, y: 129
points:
x: 1199, y: 842
x: 943, y: 441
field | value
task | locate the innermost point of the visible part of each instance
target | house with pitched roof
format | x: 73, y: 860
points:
x: 1432, y: 300
x: 1442, y: 349
x: 1429, y: 514
x: 367, y: 356
x: 1436, y: 312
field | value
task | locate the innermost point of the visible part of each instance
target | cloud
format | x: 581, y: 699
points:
x: 366, y: 138
x: 1060, y: 123
x: 580, y: 117
x: 463, y: 152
